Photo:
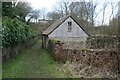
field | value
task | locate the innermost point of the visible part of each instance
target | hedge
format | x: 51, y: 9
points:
x: 15, y: 32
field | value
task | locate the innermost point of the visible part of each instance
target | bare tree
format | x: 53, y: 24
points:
x: 113, y: 7
x: 66, y: 6
x: 62, y: 7
x: 84, y: 12
x: 43, y: 13
x: 35, y: 14
x: 113, y: 21
x: 104, y: 7
x: 22, y: 9
x: 53, y: 15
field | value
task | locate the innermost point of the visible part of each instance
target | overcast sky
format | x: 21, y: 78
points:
x: 49, y: 4
x: 38, y: 4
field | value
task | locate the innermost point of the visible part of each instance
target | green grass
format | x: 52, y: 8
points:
x: 32, y: 63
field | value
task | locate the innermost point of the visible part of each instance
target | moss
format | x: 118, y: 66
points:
x: 54, y: 40
x: 85, y: 49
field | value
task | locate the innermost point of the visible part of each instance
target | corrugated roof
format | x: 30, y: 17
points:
x: 56, y: 24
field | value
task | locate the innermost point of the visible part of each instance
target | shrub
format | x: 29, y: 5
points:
x: 15, y: 32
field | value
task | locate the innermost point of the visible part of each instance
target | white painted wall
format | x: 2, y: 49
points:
x: 62, y: 31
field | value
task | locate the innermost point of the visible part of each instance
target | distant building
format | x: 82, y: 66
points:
x: 65, y: 28
x: 44, y: 20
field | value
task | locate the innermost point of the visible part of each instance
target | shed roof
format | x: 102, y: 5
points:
x: 59, y: 22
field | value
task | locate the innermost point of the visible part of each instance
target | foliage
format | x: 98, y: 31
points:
x: 15, y: 32
x: 7, y: 9
x: 20, y: 11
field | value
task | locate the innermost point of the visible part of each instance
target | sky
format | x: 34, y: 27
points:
x: 39, y: 4
x: 49, y: 4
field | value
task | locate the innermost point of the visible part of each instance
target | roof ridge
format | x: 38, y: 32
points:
x: 55, y: 25
x: 58, y: 22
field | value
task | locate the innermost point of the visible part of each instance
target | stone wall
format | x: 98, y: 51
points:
x: 72, y: 43
x: 106, y: 59
x: 103, y: 42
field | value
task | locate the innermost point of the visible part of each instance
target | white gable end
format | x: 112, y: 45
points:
x: 62, y: 30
